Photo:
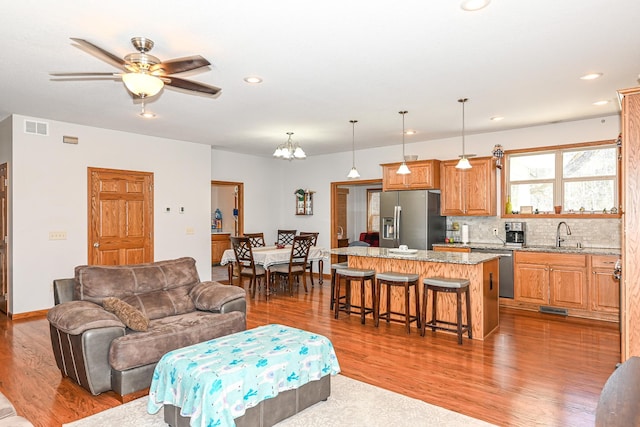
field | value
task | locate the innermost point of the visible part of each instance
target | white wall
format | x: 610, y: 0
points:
x: 49, y: 189
x: 318, y: 172
x: 49, y: 183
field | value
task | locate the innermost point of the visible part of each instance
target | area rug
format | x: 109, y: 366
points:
x: 352, y: 403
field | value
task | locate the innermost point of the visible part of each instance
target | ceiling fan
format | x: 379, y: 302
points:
x: 143, y: 74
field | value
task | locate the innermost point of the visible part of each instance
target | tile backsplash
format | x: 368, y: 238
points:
x: 591, y: 233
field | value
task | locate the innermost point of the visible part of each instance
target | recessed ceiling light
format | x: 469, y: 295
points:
x: 591, y: 76
x: 253, y: 79
x: 496, y: 118
x: 603, y: 102
x: 473, y: 5
x: 410, y: 132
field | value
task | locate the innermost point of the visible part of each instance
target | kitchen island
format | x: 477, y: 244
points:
x: 480, y: 268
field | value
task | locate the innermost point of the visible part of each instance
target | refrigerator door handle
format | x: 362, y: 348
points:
x: 396, y: 218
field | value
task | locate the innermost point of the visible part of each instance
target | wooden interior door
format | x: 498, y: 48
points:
x: 4, y: 287
x: 120, y: 217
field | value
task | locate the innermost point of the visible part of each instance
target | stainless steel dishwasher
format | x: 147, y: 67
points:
x: 505, y: 287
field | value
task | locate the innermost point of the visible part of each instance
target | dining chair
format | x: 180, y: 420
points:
x: 310, y: 263
x: 285, y: 237
x: 297, y: 263
x: 246, y: 266
x: 256, y: 239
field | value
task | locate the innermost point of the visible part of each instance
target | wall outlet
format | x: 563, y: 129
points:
x: 495, y: 231
x: 57, y: 235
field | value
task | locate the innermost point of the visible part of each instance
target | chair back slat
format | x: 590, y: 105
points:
x: 243, y: 252
x: 256, y: 239
x: 311, y: 233
x: 285, y: 237
x: 300, y: 250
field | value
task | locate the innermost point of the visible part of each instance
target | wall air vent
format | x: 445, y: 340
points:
x: 36, y: 128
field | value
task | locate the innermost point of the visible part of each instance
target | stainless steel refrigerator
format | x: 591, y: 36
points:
x: 411, y: 218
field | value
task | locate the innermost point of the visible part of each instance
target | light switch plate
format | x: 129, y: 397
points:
x: 57, y: 235
x: 190, y: 230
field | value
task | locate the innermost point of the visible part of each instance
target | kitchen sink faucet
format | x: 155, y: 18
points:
x: 558, y: 239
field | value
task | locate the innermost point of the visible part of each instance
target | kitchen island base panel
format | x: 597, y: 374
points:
x: 483, y: 278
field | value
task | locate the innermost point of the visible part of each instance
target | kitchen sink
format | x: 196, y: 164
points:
x: 551, y: 248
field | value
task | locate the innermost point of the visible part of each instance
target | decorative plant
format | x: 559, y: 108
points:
x: 300, y: 193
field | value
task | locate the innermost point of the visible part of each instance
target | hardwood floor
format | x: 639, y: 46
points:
x: 536, y: 369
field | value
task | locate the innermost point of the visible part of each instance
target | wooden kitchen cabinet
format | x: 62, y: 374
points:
x: 604, y: 290
x: 469, y: 192
x: 220, y: 242
x: 551, y: 279
x: 425, y: 175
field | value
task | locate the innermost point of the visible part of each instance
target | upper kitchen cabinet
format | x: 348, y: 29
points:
x: 468, y: 191
x: 425, y: 175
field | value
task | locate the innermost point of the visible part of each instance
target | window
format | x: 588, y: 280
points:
x: 575, y: 177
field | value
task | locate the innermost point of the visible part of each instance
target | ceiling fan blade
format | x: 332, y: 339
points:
x: 191, y: 85
x: 179, y: 65
x: 101, y: 53
x: 84, y: 74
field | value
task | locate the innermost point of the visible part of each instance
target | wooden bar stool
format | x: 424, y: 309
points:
x: 449, y: 285
x: 358, y: 275
x: 334, y: 267
x: 407, y: 281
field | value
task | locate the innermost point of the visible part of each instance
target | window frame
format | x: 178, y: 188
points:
x: 558, y: 192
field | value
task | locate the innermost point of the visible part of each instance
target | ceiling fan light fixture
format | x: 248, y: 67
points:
x: 142, y: 84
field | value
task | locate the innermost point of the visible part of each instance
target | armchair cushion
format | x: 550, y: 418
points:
x: 162, y: 303
x: 129, y: 315
x: 211, y: 296
x: 75, y: 317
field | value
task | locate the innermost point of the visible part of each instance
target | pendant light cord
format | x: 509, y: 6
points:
x: 403, y: 113
x: 463, y: 101
x: 353, y: 142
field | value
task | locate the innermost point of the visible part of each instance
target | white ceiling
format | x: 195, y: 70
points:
x: 323, y: 64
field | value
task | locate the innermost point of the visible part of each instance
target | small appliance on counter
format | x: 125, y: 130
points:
x: 515, y: 233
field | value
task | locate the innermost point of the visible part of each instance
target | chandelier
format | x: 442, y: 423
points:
x: 289, y: 150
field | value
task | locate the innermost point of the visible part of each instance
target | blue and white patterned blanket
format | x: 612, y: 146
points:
x: 216, y: 381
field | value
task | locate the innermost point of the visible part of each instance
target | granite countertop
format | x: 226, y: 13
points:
x: 535, y: 248
x: 419, y: 255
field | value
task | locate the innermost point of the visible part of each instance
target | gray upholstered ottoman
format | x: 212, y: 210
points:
x: 252, y: 378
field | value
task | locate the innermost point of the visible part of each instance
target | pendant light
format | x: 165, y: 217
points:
x: 353, y: 173
x: 403, y: 169
x: 463, y: 163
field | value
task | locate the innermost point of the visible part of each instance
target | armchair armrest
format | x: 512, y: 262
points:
x: 76, y: 317
x: 81, y: 334
x: 218, y: 298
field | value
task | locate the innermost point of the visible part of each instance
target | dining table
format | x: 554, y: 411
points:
x: 268, y: 256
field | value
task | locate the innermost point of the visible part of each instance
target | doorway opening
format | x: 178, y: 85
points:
x: 351, y: 209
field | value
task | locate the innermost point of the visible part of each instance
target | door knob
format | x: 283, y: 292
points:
x: 96, y: 245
